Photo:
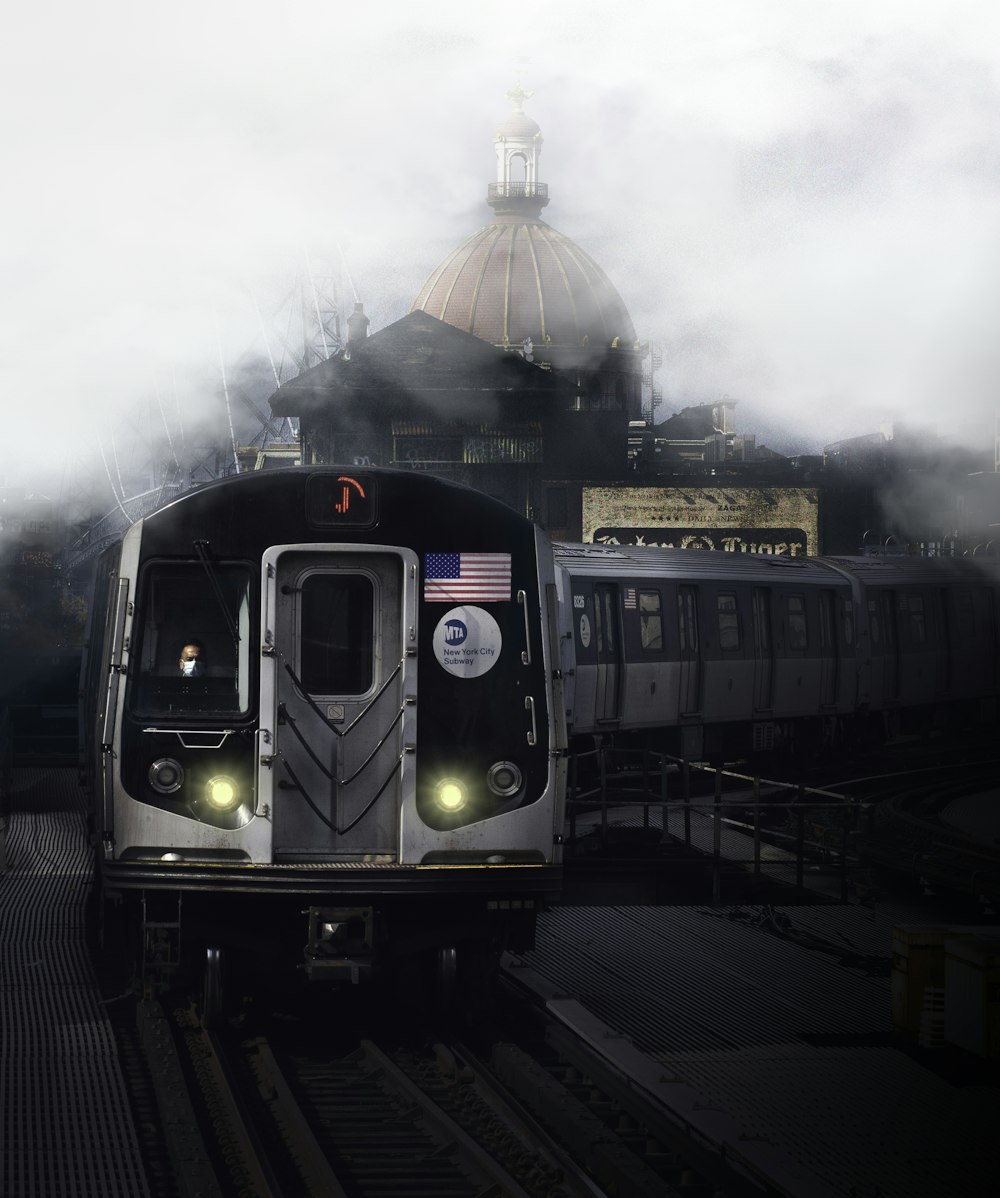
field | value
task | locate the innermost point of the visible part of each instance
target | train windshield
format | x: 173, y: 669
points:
x: 191, y: 640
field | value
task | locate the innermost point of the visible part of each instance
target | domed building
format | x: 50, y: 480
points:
x: 518, y: 283
x: 516, y: 370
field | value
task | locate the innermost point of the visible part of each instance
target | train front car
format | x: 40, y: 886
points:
x: 337, y: 719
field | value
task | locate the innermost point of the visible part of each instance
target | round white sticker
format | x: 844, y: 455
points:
x: 467, y: 642
x: 584, y: 630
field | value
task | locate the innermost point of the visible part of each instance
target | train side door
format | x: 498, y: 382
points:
x: 688, y: 642
x: 608, y: 642
x: 763, y: 650
x: 335, y: 688
x: 828, y: 660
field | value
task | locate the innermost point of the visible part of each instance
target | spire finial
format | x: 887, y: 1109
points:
x: 517, y: 95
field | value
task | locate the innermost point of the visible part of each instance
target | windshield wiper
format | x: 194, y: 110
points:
x: 201, y: 548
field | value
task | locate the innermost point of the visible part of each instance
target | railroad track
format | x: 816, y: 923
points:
x: 536, y: 1110
x: 909, y: 835
x: 250, y: 1118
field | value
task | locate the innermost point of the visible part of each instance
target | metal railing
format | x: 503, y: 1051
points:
x: 657, y: 774
x: 506, y: 191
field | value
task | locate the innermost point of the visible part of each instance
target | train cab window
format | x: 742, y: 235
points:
x: 798, y: 637
x: 729, y: 622
x: 650, y: 621
x: 338, y: 634
x: 178, y: 606
x: 917, y: 624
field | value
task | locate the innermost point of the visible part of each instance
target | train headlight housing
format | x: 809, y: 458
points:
x: 222, y: 793
x: 504, y: 779
x: 166, y: 776
x: 450, y: 795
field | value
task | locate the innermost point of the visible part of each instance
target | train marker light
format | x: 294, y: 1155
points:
x: 166, y: 776
x: 449, y: 794
x: 504, y: 779
x: 223, y: 793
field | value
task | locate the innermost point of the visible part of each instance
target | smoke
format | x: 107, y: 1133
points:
x: 798, y: 206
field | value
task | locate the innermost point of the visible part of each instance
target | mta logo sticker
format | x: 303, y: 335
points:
x: 467, y: 642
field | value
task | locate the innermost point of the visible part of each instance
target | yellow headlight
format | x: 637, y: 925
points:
x: 449, y: 794
x: 222, y: 792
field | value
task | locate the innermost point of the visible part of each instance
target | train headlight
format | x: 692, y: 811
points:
x: 450, y: 794
x: 222, y: 793
x: 504, y: 779
x: 166, y: 776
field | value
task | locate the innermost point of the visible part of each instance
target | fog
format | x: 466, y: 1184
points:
x: 798, y: 204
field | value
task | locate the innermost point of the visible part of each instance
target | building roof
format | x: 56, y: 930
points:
x: 418, y: 368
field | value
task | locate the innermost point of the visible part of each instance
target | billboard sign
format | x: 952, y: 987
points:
x: 782, y: 521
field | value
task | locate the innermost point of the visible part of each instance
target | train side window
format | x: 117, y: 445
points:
x: 337, y: 647
x: 604, y: 613
x: 650, y: 621
x: 847, y: 622
x: 687, y: 620
x: 873, y: 621
x: 918, y: 626
x: 729, y: 622
x: 798, y: 637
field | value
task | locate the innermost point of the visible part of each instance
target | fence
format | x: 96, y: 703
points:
x: 615, y: 787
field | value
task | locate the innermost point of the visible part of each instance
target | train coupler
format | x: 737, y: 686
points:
x: 340, y: 945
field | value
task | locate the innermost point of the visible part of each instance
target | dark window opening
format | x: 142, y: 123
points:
x: 337, y: 649
x: 687, y: 621
x: 798, y: 637
x: 729, y: 623
x: 604, y: 621
x: 650, y: 621
x: 191, y: 643
x: 918, y: 627
x: 557, y: 508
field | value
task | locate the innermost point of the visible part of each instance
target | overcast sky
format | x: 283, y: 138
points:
x: 798, y: 202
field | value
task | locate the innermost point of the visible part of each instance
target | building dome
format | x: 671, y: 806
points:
x: 518, y: 124
x: 518, y: 279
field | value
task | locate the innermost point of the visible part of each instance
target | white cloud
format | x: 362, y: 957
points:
x: 798, y: 203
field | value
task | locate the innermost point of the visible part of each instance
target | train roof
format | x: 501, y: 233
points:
x: 637, y: 561
x: 689, y: 564
x: 894, y: 568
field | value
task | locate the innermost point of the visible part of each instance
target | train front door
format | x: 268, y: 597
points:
x: 606, y: 702
x: 334, y: 679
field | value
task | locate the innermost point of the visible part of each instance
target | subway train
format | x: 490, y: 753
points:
x: 713, y: 655
x: 337, y: 705
x: 322, y: 703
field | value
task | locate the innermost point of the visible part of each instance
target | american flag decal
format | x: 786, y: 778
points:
x: 467, y: 577
x: 630, y: 597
